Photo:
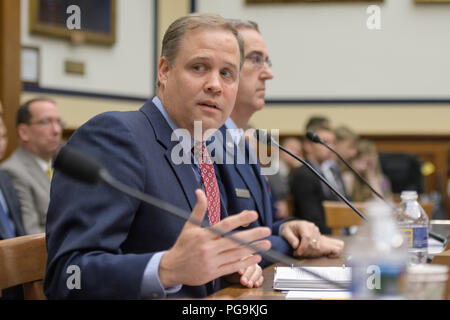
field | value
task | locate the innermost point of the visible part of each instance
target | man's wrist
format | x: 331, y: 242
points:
x: 166, y: 276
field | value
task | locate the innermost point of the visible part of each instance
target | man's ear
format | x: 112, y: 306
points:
x: 163, y: 71
x: 22, y: 131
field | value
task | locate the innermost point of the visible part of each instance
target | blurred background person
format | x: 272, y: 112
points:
x: 346, y: 140
x: 39, y: 129
x: 3, y: 138
x: 307, y: 190
x: 345, y: 145
x: 367, y: 164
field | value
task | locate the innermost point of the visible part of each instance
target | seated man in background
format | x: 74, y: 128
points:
x: 246, y: 188
x: 333, y: 168
x: 125, y: 248
x: 39, y: 128
x: 307, y: 190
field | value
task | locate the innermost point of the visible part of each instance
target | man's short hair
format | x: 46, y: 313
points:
x: 317, y: 122
x: 244, y: 24
x: 176, y: 31
x: 24, y: 114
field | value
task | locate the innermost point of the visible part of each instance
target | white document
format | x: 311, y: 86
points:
x: 434, y: 247
x: 287, y: 278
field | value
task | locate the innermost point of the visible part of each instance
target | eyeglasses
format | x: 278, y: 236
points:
x: 258, y: 60
x: 48, y: 122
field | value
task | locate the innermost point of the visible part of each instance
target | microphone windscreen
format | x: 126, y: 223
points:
x: 313, y: 137
x: 77, y: 165
x: 263, y: 136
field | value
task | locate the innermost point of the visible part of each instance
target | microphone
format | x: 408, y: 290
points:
x: 264, y: 137
x: 84, y: 168
x: 315, y: 138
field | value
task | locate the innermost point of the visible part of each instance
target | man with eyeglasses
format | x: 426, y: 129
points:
x: 246, y: 188
x: 39, y: 129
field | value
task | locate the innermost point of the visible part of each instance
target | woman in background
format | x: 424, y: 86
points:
x: 367, y: 164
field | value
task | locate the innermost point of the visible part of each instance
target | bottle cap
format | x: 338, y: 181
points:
x: 409, y: 195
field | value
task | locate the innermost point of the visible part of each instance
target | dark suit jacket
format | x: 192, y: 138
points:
x: 13, y: 202
x: 308, y: 196
x: 238, y: 179
x: 109, y: 235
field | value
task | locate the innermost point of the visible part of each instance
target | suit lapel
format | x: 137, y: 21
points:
x: 265, y: 196
x: 244, y: 171
x: 184, y: 173
x: 34, y: 169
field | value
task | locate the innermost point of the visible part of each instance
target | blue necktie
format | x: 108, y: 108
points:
x: 6, y: 225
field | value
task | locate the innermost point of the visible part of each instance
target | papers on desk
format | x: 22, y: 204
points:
x: 287, y: 278
x: 434, y: 247
x: 303, y: 285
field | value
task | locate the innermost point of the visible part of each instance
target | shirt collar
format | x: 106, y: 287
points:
x: 235, y: 132
x: 42, y: 163
x: 157, y: 102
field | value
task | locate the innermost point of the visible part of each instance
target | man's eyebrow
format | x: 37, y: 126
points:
x: 258, y: 52
x: 206, y: 58
x: 232, y: 65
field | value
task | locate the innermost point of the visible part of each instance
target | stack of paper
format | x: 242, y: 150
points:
x: 287, y: 278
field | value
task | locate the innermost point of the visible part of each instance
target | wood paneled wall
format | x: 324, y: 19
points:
x: 10, y: 83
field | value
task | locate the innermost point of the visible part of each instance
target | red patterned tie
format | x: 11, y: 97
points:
x: 209, y: 182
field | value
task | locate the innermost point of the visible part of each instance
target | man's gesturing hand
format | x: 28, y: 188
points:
x: 199, y: 255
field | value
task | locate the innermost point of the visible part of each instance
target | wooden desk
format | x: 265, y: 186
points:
x: 266, y: 292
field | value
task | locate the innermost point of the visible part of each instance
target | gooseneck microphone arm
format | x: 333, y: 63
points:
x: 316, y: 139
x: 81, y: 167
x: 267, y: 139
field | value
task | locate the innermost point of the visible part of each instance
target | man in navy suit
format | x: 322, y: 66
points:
x: 246, y: 187
x: 104, y: 244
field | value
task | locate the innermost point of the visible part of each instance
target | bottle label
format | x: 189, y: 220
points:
x: 416, y: 238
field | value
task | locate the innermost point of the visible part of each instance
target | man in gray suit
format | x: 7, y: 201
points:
x: 39, y: 129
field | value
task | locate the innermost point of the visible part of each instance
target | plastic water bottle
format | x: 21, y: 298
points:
x: 377, y: 255
x: 413, y: 223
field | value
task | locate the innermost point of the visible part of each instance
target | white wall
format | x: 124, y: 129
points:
x: 324, y: 50
x: 126, y: 68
